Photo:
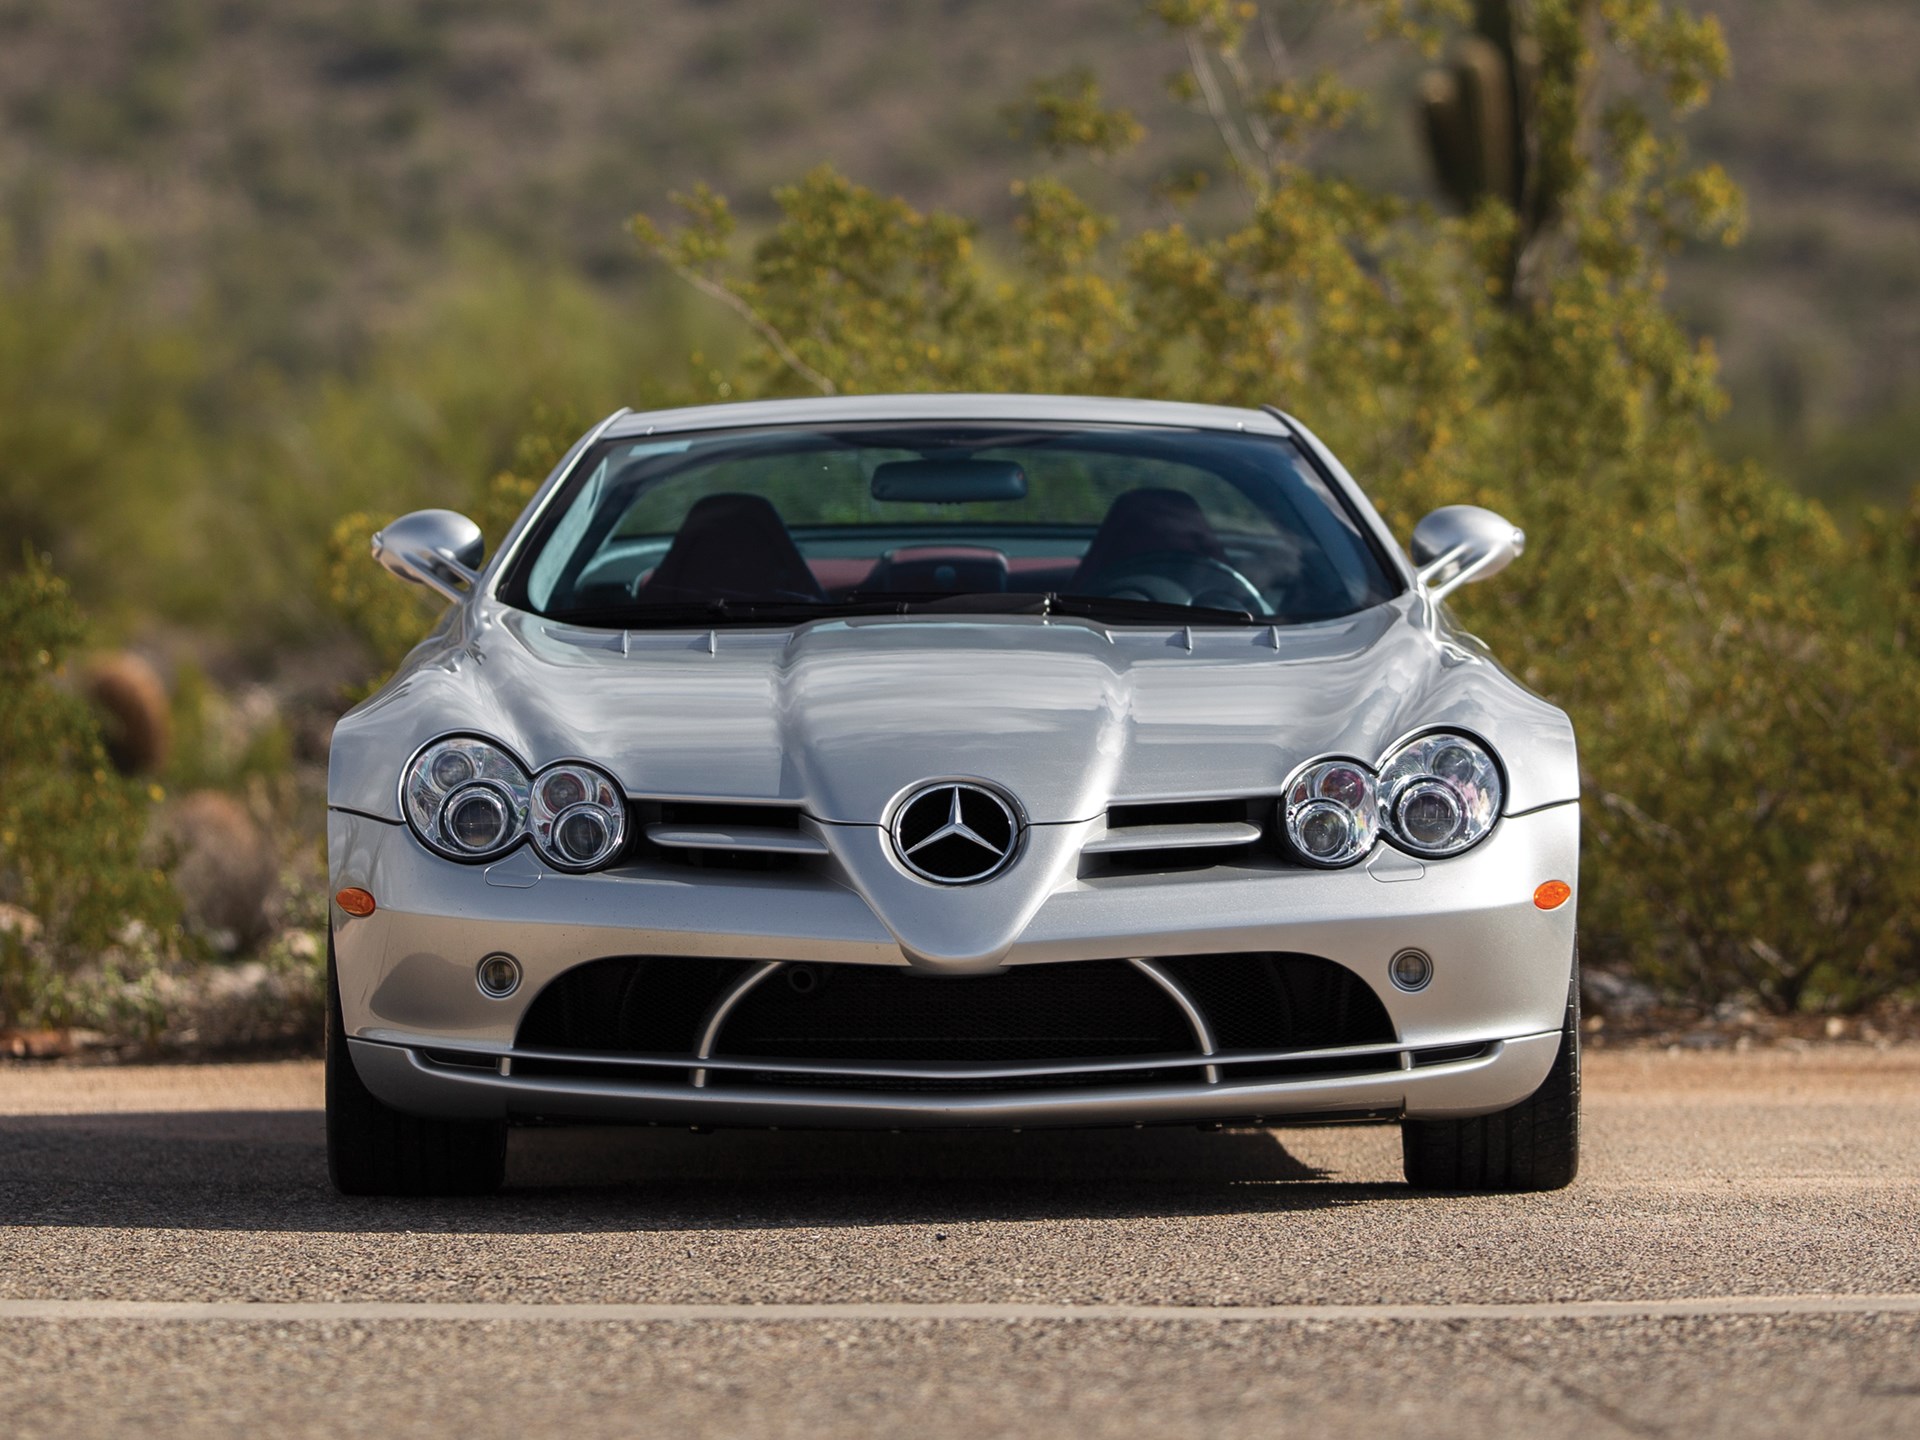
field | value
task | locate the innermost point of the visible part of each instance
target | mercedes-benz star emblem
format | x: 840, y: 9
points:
x: 955, y: 834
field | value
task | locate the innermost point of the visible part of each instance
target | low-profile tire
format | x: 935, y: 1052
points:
x: 373, y: 1149
x: 1535, y: 1145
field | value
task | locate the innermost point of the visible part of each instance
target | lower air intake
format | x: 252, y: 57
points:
x: 821, y: 1017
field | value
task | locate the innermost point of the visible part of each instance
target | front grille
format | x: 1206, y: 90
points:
x: 699, y: 815
x: 1164, y: 836
x: 1033, y: 1015
x: 1185, y: 812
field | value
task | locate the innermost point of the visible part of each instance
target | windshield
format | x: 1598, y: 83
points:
x: 784, y: 525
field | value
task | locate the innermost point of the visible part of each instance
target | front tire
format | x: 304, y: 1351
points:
x: 373, y: 1149
x: 1535, y: 1145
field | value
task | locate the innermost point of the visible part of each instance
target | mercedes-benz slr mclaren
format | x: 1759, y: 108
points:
x: 949, y: 762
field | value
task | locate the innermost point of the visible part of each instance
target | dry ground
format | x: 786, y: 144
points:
x: 1727, y: 1199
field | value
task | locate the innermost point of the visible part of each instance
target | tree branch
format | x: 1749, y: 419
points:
x: 1204, y: 77
x: 761, y: 326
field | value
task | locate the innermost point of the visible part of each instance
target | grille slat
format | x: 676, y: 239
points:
x: 1176, y: 834
x: 724, y: 836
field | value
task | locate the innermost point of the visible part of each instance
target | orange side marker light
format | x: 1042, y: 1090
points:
x: 355, y: 901
x: 1550, y: 896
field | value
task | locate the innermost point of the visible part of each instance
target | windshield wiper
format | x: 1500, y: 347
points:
x: 718, y: 612
x: 1051, y: 602
x: 924, y: 602
x: 1144, y: 612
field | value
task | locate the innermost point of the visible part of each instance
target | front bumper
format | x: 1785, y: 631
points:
x: 1480, y: 1037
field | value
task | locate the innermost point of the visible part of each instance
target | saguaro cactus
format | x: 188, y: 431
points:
x: 1477, y: 111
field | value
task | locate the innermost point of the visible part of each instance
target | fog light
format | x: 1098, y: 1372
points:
x: 499, y: 976
x: 1411, y: 970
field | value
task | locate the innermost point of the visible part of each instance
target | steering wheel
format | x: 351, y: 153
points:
x: 1177, y: 577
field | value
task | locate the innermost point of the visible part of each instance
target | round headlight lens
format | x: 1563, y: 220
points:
x: 1429, y: 814
x: 1344, y: 785
x: 583, y: 835
x: 1330, y: 812
x: 452, y: 768
x: 1441, y: 794
x: 561, y: 789
x: 1326, y: 830
x: 579, y: 817
x: 477, y: 819
x: 465, y: 797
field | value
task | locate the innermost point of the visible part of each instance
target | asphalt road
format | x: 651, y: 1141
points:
x: 1741, y: 1256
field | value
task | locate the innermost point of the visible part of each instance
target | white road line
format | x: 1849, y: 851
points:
x: 280, y: 1312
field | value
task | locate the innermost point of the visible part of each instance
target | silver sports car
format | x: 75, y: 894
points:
x: 948, y: 761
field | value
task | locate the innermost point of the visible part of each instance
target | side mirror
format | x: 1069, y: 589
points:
x: 1457, y: 544
x: 437, y: 548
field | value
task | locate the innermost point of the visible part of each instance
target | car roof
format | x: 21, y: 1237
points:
x: 844, y: 409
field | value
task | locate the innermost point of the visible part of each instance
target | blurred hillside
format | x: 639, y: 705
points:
x: 306, y: 171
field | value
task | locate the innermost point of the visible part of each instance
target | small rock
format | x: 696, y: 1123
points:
x: 36, y: 1044
x: 1602, y: 992
x: 23, y: 925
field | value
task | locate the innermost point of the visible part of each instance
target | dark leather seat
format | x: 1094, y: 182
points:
x: 733, y: 547
x: 1148, y: 522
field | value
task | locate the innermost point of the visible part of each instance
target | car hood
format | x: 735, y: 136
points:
x: 840, y: 717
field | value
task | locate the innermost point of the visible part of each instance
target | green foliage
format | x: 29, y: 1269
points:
x: 70, y: 829
x: 170, y: 481
x: 1742, y: 694
x: 1064, y: 114
x: 96, y: 438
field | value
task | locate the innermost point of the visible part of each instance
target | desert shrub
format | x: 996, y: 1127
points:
x: 1742, y: 690
x: 96, y: 436
x: 71, y: 829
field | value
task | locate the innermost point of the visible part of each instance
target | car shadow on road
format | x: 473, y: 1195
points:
x: 266, y: 1170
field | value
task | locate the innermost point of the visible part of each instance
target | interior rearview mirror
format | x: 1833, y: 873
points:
x: 1458, y: 544
x: 441, y: 549
x: 949, y: 482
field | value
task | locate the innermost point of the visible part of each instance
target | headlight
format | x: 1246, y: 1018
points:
x: 1330, y: 812
x: 466, y: 798
x: 579, y: 817
x: 1439, y: 794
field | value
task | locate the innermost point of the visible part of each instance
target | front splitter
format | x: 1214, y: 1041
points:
x: 1506, y: 1073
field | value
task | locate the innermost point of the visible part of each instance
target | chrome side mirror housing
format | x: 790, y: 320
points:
x: 440, y: 549
x: 1458, y: 544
